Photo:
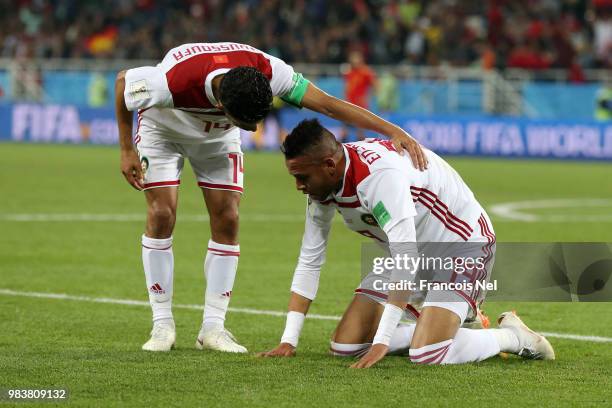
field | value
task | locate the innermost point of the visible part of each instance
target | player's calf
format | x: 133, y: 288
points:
x: 224, y: 215
x: 161, y: 212
x: 439, y: 340
x: 431, y: 353
x: 160, y: 222
x: 469, y: 345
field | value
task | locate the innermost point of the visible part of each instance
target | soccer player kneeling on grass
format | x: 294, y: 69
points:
x: 191, y: 106
x: 380, y: 195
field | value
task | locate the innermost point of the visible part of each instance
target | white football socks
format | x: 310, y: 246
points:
x: 220, y: 271
x: 402, y: 336
x: 468, y: 345
x: 158, y: 262
x: 400, y: 341
x: 348, y: 350
x: 471, y: 345
x: 507, y: 340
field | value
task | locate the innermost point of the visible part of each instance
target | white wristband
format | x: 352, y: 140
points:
x: 293, y: 327
x: 388, y: 323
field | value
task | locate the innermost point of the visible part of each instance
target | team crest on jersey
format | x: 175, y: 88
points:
x: 144, y: 163
x: 369, y: 219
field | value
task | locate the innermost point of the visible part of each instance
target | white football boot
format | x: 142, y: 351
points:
x: 220, y: 340
x: 532, y: 345
x: 163, y: 337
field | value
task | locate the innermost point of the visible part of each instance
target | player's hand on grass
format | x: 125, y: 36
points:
x: 132, y: 169
x: 403, y: 141
x: 376, y: 353
x: 282, y: 350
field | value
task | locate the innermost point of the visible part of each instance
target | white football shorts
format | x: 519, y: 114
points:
x: 465, y: 301
x: 217, y: 165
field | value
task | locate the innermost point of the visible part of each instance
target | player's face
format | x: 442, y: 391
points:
x: 242, y: 125
x: 313, y: 177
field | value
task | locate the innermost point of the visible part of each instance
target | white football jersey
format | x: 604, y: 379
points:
x: 176, y: 95
x: 381, y: 190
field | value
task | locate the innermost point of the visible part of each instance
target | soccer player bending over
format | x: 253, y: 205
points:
x: 381, y: 195
x: 190, y: 106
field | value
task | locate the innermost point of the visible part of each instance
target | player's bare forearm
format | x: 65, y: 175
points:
x: 319, y: 101
x: 124, y: 116
x: 346, y: 112
x: 298, y: 303
x: 130, y: 162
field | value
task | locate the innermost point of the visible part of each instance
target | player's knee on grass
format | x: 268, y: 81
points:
x: 431, y: 353
x: 435, y: 331
x: 359, y: 322
x: 348, y: 349
x: 429, y: 347
x: 356, y: 335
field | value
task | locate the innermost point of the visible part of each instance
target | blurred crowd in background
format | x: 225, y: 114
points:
x: 530, y: 34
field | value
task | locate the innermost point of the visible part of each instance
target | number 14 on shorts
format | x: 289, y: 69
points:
x: 208, y: 125
x: 236, y: 160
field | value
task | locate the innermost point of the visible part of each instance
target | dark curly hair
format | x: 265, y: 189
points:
x: 245, y: 94
x: 308, y: 137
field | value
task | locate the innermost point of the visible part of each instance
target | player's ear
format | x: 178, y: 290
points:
x: 330, y: 165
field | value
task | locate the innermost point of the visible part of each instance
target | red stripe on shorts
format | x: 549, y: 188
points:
x: 220, y: 186
x: 163, y: 184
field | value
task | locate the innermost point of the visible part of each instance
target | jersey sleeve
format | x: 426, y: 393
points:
x: 312, y: 253
x: 286, y: 83
x: 386, y: 194
x: 146, y: 87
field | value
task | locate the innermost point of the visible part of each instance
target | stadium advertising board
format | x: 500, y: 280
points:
x: 474, y: 136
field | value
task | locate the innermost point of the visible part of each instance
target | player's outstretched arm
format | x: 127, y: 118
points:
x: 319, y: 101
x: 298, y: 307
x: 396, y: 218
x: 130, y: 163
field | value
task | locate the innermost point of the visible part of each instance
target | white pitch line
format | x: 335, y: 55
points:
x: 507, y: 211
x: 596, y: 339
x: 129, y: 302
x: 276, y: 313
x: 140, y: 217
x: 517, y: 210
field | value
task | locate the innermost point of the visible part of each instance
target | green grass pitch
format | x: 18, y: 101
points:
x: 93, y: 349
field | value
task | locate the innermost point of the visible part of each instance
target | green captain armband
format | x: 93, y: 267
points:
x: 296, y: 93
